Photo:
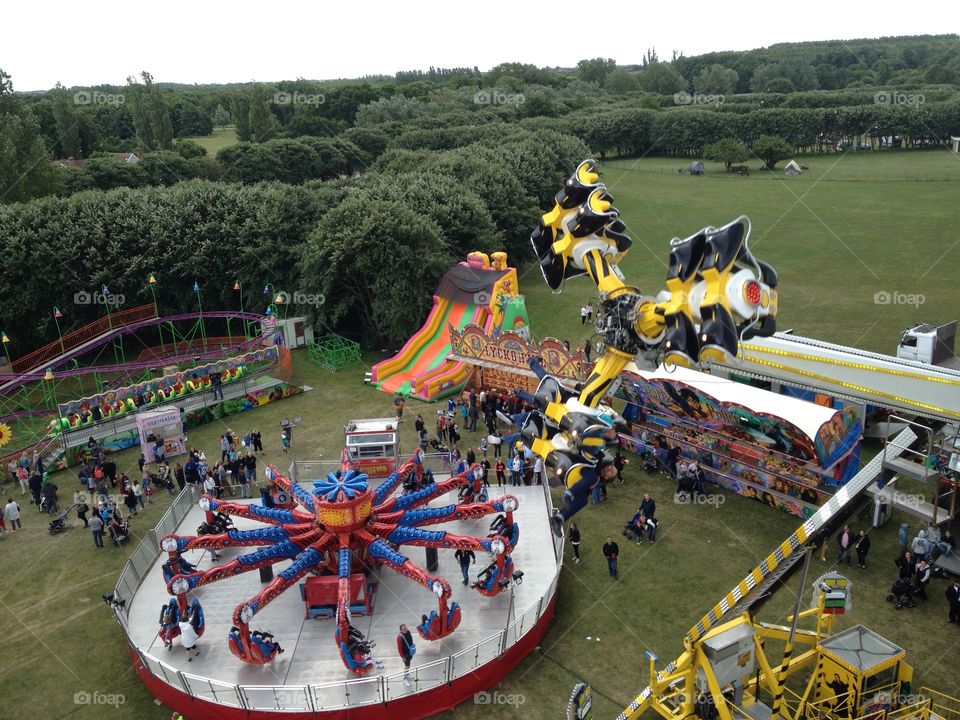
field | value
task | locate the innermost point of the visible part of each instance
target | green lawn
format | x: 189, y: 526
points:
x: 854, y: 230
x: 219, y: 139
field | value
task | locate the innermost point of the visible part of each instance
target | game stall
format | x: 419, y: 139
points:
x: 164, y: 424
x: 788, y: 453
x: 501, y: 364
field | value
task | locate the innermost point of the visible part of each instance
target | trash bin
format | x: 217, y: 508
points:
x: 266, y: 574
x: 433, y: 563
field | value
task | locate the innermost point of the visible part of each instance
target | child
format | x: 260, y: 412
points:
x: 285, y: 440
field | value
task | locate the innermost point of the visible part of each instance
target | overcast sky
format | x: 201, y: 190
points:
x: 215, y: 42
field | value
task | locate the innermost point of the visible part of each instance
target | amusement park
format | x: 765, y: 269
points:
x: 275, y: 582
x: 605, y: 389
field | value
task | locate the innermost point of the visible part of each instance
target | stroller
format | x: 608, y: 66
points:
x: 901, y: 593
x: 649, y: 461
x: 438, y: 446
x: 119, y: 531
x: 59, y: 524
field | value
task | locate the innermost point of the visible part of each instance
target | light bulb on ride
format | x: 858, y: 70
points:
x: 497, y: 546
x: 168, y: 544
x: 204, y: 503
x: 180, y: 586
x: 246, y: 614
x: 437, y: 588
x: 510, y: 504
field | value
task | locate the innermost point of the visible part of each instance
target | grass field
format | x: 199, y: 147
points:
x: 838, y: 234
x: 219, y: 139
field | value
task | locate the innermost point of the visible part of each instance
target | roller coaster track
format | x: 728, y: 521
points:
x: 829, y: 513
x: 33, y: 366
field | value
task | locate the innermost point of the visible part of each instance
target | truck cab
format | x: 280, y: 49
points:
x: 372, y: 446
x: 929, y: 344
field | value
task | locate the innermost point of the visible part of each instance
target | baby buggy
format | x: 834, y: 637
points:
x: 901, y: 593
x: 649, y: 462
x: 119, y: 531
x: 59, y: 524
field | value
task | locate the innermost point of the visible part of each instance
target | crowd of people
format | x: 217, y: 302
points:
x: 107, y: 498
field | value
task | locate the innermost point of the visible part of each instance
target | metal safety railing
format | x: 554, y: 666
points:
x: 310, y: 697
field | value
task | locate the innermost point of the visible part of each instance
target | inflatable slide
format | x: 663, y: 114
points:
x: 480, y: 291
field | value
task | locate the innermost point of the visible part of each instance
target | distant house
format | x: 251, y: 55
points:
x: 956, y: 144
x: 696, y: 168
x: 126, y: 157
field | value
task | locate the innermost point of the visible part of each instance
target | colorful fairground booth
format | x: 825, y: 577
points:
x: 501, y: 364
x: 786, y: 452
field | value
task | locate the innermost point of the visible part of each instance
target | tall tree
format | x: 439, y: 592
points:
x: 151, y: 115
x: 595, y: 70
x: 67, y: 123
x: 25, y: 169
x: 221, y: 116
x: 262, y: 122
x: 716, y: 80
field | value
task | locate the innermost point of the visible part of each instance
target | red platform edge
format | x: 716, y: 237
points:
x: 411, y: 707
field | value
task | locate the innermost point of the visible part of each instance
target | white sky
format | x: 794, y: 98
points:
x: 216, y: 42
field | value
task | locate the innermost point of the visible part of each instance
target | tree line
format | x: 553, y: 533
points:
x: 374, y: 244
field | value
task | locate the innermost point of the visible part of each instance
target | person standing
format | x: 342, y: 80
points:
x: 863, y: 547
x: 844, y: 545
x: 921, y: 579
x: 407, y: 650
x: 574, y: 533
x: 538, y: 470
x: 516, y: 467
x: 418, y: 424
x: 82, y: 510
x: 610, y: 551
x: 188, y: 636
x: 96, y: 527
x: 619, y: 462
x: 485, y: 464
x: 12, y: 513
x: 501, y: 471
x: 902, y: 537
x: 398, y: 404
x: 465, y: 557
x: 587, y: 349
x: 180, y: 475
x: 648, y: 507
x: 953, y: 601
x: 590, y: 311
x: 285, y: 440
x: 583, y: 315
x: 906, y: 565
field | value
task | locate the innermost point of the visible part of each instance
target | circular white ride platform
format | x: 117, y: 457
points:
x: 309, y: 680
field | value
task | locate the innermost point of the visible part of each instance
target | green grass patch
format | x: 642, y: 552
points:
x: 219, y: 139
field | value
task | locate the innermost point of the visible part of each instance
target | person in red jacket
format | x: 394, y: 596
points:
x: 407, y: 649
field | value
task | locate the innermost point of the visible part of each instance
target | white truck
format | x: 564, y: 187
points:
x: 930, y: 344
